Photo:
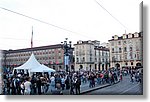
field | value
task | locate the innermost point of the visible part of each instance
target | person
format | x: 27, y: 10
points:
x: 72, y: 85
x: 52, y: 83
x: 90, y: 80
x: 67, y: 82
x: 62, y: 82
x: 46, y: 84
x: 39, y: 84
x: 132, y: 77
x: 22, y: 88
x: 120, y: 76
x: 58, y: 90
x: 33, y: 85
x: 77, y: 85
x: 57, y: 80
x: 27, y: 86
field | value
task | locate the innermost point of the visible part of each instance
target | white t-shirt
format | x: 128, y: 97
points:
x: 27, y: 85
x: 52, y: 78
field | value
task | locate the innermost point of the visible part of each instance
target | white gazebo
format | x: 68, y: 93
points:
x: 42, y: 68
x: 32, y: 65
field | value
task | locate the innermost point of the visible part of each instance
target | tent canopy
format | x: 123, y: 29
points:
x: 42, y: 68
x: 32, y: 65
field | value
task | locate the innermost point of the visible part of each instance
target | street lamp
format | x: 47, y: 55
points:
x: 67, y: 54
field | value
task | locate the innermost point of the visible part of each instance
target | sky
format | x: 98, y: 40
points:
x: 79, y: 20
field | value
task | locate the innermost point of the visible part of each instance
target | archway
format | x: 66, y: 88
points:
x: 138, y: 64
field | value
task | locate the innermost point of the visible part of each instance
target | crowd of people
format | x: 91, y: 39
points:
x: 22, y: 83
x: 40, y: 83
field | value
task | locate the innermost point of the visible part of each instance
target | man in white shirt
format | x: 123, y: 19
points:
x: 27, y: 86
x: 52, y: 83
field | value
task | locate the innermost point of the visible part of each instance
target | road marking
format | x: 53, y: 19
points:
x: 129, y: 88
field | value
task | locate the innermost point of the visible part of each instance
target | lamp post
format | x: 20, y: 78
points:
x: 67, y: 54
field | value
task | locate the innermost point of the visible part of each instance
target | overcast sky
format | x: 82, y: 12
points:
x: 85, y: 18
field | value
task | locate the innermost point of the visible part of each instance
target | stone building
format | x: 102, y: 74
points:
x: 90, y: 56
x: 126, y: 50
x: 51, y: 56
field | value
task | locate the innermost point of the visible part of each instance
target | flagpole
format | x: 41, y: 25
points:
x: 32, y: 38
x: 31, y: 49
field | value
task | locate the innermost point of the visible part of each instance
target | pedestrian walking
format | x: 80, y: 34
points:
x: 132, y: 77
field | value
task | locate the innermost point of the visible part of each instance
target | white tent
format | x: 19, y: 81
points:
x: 42, y: 68
x: 32, y: 65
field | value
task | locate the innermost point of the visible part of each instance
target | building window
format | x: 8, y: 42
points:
x: 119, y: 50
x: 131, y: 63
x: 119, y: 42
x: 113, y: 59
x: 131, y: 55
x: 138, y: 57
x: 95, y: 59
x: 112, y: 50
x: 125, y: 56
x: 130, y: 48
x: 124, y: 42
x: 77, y: 53
x: 83, y: 59
x: 90, y: 59
x: 102, y: 60
x: 77, y: 59
x: 132, y: 35
x: 125, y: 49
x: 99, y: 59
x: 137, y: 49
x: 102, y: 53
x: 139, y: 34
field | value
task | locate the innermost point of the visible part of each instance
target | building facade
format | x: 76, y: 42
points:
x: 51, y: 56
x: 90, y: 56
x: 126, y: 50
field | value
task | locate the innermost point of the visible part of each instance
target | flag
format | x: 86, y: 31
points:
x: 32, y: 38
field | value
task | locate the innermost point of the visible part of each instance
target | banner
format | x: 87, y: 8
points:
x: 66, y: 60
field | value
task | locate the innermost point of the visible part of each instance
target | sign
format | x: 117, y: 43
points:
x: 66, y: 60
